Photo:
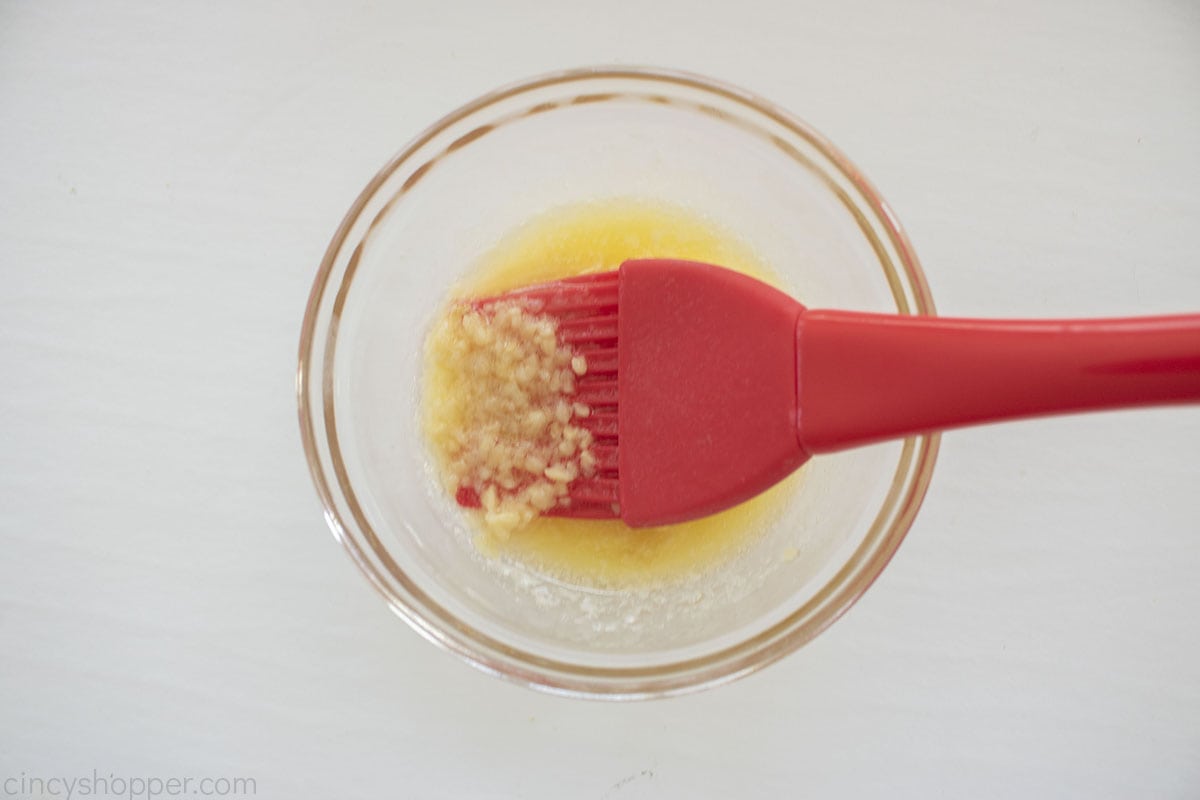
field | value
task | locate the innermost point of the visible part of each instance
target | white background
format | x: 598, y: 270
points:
x: 171, y: 603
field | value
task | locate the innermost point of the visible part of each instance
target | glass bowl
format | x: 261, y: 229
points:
x: 425, y: 220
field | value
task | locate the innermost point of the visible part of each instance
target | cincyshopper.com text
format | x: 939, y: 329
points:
x: 25, y: 785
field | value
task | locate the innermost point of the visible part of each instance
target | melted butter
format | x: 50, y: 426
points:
x: 596, y: 237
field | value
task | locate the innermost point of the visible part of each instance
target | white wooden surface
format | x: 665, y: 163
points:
x: 172, y: 605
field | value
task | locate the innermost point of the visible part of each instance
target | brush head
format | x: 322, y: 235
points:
x: 690, y: 387
x: 584, y: 311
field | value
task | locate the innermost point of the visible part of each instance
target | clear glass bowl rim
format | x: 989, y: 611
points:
x: 558, y: 677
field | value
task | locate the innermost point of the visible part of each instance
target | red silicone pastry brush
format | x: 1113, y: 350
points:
x: 707, y: 387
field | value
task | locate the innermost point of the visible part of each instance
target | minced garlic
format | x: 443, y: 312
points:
x: 503, y: 430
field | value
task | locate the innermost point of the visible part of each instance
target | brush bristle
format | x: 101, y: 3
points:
x: 585, y: 309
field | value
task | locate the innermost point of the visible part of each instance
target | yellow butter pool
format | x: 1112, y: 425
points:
x: 593, y: 238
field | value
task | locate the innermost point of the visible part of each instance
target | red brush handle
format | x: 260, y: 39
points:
x: 863, y: 378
